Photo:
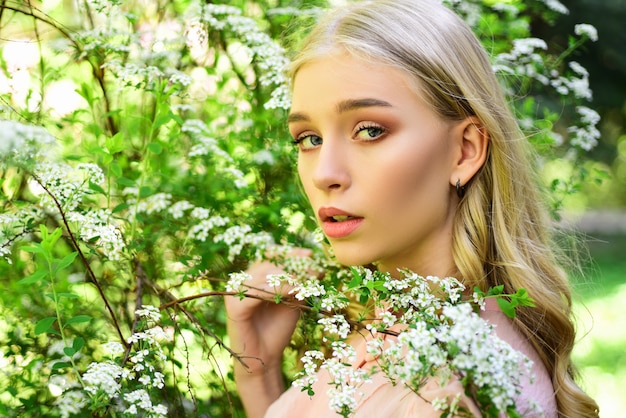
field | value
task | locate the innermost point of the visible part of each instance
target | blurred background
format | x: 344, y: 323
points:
x: 599, y: 212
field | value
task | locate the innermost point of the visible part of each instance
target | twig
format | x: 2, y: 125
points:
x: 140, y: 275
x: 291, y: 302
x: 83, y: 258
x: 31, y: 13
x: 174, y: 302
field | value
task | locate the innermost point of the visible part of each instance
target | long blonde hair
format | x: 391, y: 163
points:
x: 502, y: 233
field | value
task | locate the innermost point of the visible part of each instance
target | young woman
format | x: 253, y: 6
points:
x: 411, y: 159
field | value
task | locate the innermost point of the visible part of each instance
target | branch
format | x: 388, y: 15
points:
x: 291, y: 302
x: 141, y: 276
x: 43, y: 18
x: 174, y: 302
x: 83, y: 258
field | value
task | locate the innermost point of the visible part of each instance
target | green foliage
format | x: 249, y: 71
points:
x: 144, y: 157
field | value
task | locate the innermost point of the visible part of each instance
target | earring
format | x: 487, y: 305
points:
x: 460, y: 190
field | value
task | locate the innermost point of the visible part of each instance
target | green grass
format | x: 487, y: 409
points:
x: 601, y: 319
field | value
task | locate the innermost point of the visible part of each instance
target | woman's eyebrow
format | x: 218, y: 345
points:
x: 354, y: 104
x: 342, y: 107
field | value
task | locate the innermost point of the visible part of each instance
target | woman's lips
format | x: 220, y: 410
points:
x: 337, y: 223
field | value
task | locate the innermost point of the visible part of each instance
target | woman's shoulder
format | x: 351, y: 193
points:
x: 536, y: 388
x: 378, y: 398
x: 381, y: 398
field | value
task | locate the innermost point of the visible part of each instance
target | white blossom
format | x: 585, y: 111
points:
x: 200, y: 231
x: 335, y: 325
x: 113, y: 348
x: 236, y: 280
x: 104, y: 377
x: 177, y: 210
x: 149, y: 312
x: 98, y: 225
x: 264, y: 157
x: 557, y: 6
x: 309, y: 288
x: 587, y: 135
x: 274, y: 280
x: 444, y: 337
x: 21, y: 142
x: 585, y: 29
x: 153, y: 204
x: 71, y: 402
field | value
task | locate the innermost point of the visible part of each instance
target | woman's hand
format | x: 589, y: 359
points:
x: 259, y: 331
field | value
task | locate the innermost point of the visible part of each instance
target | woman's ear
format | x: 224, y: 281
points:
x: 471, y: 142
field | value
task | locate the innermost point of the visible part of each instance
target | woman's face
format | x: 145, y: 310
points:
x: 376, y: 164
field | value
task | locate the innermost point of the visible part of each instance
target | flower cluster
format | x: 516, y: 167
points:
x: 526, y: 58
x: 206, y: 145
x: 60, y: 188
x: 268, y: 55
x: 14, y: 226
x: 23, y: 143
x: 556, y: 5
x: 110, y: 382
x: 239, y: 236
x: 586, y: 134
x: 98, y: 228
x: 104, y: 377
x: 440, y: 337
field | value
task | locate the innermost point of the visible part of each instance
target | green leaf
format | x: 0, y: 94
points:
x: 115, y: 143
x: 35, y: 248
x: 120, y: 207
x: 145, y: 191
x: 356, y: 278
x: 37, y: 276
x: 49, y: 240
x: 479, y: 292
x: 496, y: 290
x: 161, y: 120
x: 123, y: 181
x: 60, y: 364
x: 44, y: 325
x: 155, y: 148
x: 96, y: 188
x: 522, y: 298
x: 507, y: 307
x: 78, y: 343
x: 116, y: 170
x: 66, y: 261
x: 69, y: 351
x: 106, y: 158
x: 78, y: 319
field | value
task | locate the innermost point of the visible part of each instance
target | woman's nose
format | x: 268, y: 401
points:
x: 331, y: 166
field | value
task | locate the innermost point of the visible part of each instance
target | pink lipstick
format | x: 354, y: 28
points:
x: 337, y: 223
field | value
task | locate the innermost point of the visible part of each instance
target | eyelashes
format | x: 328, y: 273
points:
x: 363, y: 132
x: 308, y: 141
x: 369, y: 131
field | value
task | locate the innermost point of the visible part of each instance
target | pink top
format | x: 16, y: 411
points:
x: 381, y: 399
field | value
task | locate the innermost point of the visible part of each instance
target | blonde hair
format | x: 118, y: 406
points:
x: 502, y: 233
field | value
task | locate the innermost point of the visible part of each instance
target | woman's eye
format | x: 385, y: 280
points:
x: 369, y: 132
x: 308, y: 141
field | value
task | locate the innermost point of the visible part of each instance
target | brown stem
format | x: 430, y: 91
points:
x: 291, y: 302
x: 173, y: 303
x: 83, y: 258
x: 140, y: 275
x: 44, y: 19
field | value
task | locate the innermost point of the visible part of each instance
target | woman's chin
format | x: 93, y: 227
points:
x: 352, y: 259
